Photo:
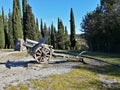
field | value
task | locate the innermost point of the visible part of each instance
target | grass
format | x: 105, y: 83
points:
x: 78, y: 79
x: 82, y: 77
x: 19, y: 87
x: 6, y: 50
x: 110, y: 58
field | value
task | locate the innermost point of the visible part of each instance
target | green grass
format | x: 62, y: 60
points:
x: 82, y: 77
x: 78, y: 79
x: 110, y: 58
x: 19, y: 87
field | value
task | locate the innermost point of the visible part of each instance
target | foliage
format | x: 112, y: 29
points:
x: 2, y: 37
x: 17, y: 26
x: 60, y: 35
x: 41, y: 28
x: 30, y: 25
x: 16, y: 21
x: 72, y: 27
x: 37, y: 30
x: 67, y: 40
x: 53, y: 36
x: 24, y: 20
x: 102, y: 27
x: 10, y: 31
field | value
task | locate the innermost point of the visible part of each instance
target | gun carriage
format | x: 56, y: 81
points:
x: 43, y: 52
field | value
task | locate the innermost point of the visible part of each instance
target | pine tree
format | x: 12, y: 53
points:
x: 2, y: 37
x: 16, y: 21
x: 72, y: 28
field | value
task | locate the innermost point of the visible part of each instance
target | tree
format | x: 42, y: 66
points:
x: 53, y: 36
x: 67, y: 41
x: 10, y: 31
x: 37, y: 30
x: 102, y: 27
x: 24, y: 9
x: 41, y: 28
x: 2, y: 37
x: 5, y: 28
x: 30, y: 24
x: 46, y: 32
x: 72, y: 28
x: 6, y: 32
x: 60, y: 35
x: 16, y: 21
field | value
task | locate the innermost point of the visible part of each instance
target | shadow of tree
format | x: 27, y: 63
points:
x: 107, y: 69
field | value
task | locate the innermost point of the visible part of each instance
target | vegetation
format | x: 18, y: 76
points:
x: 21, y: 26
x: 16, y: 21
x: 102, y: 27
x: 72, y: 27
x: 2, y: 38
x: 60, y: 35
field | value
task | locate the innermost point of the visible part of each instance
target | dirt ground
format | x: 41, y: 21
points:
x: 15, y: 70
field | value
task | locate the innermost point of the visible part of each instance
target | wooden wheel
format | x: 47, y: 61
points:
x: 42, y: 54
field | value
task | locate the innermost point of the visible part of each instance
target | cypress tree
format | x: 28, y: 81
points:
x: 37, y: 30
x: 60, y: 36
x: 2, y: 37
x: 16, y: 20
x: 10, y: 31
x: 49, y: 32
x: 46, y: 32
x: 67, y: 41
x: 3, y: 14
x: 30, y: 24
x: 24, y: 9
x: 72, y: 29
x: 41, y: 28
x: 6, y: 32
x: 53, y: 36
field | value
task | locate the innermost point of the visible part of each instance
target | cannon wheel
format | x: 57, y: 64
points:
x: 42, y: 54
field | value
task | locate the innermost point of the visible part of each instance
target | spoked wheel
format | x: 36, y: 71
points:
x: 42, y: 54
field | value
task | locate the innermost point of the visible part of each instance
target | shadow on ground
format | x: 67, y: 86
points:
x: 10, y: 64
x: 106, y: 69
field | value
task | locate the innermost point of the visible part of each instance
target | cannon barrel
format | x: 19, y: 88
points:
x: 30, y: 43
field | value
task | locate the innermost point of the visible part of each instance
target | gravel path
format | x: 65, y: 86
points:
x: 17, y: 75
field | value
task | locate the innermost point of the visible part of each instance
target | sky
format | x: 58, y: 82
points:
x: 50, y: 10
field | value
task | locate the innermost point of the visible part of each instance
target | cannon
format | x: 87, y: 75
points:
x: 40, y: 52
x: 43, y: 52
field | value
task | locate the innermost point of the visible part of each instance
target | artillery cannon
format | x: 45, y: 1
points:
x: 43, y: 52
x: 40, y: 52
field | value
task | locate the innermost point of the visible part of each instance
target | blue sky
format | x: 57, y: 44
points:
x: 50, y: 10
